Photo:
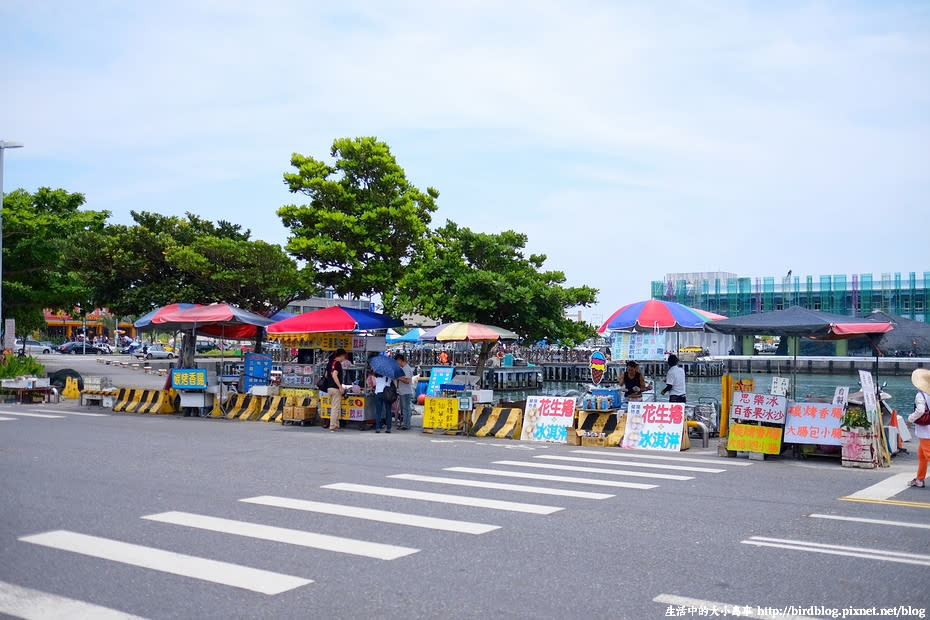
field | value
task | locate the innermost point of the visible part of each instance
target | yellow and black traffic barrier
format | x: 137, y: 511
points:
x: 123, y: 398
x: 135, y: 400
x: 612, y: 425
x: 236, y: 406
x: 272, y: 408
x: 503, y: 422
x: 71, y: 388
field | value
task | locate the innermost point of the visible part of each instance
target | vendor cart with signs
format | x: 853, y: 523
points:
x: 318, y: 334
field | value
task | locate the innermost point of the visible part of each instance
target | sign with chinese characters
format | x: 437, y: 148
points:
x: 841, y: 395
x: 654, y: 426
x: 353, y: 408
x: 744, y: 385
x: 547, y: 418
x: 816, y: 423
x: 636, y: 346
x: 779, y: 386
x: 441, y: 412
x: 868, y: 395
x: 758, y: 407
x: 189, y: 379
x: 324, y: 341
x: 438, y: 375
x: 752, y: 438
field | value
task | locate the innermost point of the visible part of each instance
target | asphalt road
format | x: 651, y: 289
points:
x: 126, y: 512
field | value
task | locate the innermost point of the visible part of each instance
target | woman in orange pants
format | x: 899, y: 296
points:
x: 921, y: 380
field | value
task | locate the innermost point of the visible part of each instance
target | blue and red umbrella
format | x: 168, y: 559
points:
x: 148, y: 319
x: 657, y: 314
x: 334, y: 319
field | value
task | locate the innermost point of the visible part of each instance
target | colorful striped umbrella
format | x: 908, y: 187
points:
x: 472, y: 332
x: 657, y: 314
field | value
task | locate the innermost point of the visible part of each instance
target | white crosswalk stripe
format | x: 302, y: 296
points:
x: 371, y: 514
x: 502, y: 486
x: 2, y: 419
x: 22, y: 414
x: 284, y: 535
x: 37, y: 605
x: 632, y: 454
x: 225, y: 573
x: 704, y: 470
x: 596, y: 470
x: 856, y: 552
x: 461, y: 500
x: 552, y: 478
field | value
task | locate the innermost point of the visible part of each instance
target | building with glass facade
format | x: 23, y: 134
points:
x: 899, y: 294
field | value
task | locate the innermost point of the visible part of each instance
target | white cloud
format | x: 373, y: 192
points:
x: 689, y: 136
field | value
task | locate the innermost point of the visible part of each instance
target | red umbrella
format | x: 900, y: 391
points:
x: 334, y: 319
x: 221, y: 320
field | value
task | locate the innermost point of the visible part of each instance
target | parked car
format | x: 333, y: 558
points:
x: 154, y: 352
x: 79, y: 348
x: 33, y: 346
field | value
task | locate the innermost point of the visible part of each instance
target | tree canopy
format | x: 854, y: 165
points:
x: 364, y: 220
x: 167, y: 259
x: 487, y: 278
x: 38, y: 231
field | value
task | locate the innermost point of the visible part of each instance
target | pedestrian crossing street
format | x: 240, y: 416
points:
x: 584, y: 475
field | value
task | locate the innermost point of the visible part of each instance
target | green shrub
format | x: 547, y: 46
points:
x: 13, y: 366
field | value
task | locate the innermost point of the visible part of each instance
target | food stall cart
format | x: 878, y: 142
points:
x: 316, y: 335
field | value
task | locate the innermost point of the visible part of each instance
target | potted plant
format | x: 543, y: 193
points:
x: 858, y: 438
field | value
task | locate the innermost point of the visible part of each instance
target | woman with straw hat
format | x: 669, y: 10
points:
x: 921, y: 380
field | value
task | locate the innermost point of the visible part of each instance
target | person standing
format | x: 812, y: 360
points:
x: 921, y: 380
x: 634, y: 384
x: 405, y: 391
x: 674, y: 381
x: 335, y: 388
x: 383, y: 413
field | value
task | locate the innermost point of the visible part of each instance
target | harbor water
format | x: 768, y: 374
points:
x: 815, y: 385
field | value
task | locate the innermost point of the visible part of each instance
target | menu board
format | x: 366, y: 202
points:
x: 758, y: 407
x: 753, y: 438
x: 636, y: 346
x: 439, y: 375
x: 816, y: 423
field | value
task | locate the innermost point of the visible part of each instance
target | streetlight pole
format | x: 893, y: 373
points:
x: 4, y: 145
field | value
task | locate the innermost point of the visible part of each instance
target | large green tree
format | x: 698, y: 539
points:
x: 38, y: 231
x: 166, y: 259
x: 487, y: 278
x: 364, y: 220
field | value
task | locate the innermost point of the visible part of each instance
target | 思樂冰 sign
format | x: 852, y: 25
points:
x: 547, y: 418
x: 637, y: 346
x: 752, y: 438
x: 654, y: 426
x: 756, y: 407
x: 438, y: 376
x: 816, y: 423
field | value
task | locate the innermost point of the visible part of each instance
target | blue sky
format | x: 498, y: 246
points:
x: 627, y: 140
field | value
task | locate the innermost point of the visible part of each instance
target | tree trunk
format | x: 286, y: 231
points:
x: 482, y: 360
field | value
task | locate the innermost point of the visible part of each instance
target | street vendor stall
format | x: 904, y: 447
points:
x: 803, y: 422
x: 316, y: 335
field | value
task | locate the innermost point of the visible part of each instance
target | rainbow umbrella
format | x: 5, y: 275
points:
x: 657, y: 314
x: 472, y: 332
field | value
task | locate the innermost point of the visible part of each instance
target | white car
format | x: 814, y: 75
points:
x: 153, y: 351
x: 33, y: 346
